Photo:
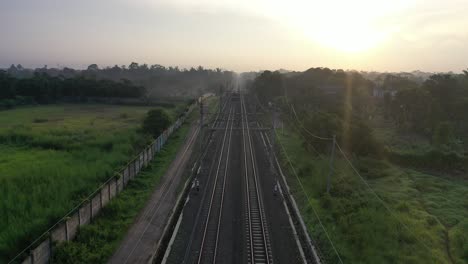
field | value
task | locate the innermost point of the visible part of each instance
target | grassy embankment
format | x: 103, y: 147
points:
x: 53, y: 156
x: 428, y: 223
x: 97, y: 242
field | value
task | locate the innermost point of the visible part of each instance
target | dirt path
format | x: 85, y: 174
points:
x: 141, y: 239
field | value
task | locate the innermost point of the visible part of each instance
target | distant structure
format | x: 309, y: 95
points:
x: 379, y: 92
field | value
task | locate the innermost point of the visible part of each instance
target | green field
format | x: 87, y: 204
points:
x: 96, y: 242
x: 53, y: 156
x: 427, y: 221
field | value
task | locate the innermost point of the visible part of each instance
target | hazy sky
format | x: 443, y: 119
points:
x: 241, y: 35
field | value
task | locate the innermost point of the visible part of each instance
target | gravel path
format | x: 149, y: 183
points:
x: 141, y: 239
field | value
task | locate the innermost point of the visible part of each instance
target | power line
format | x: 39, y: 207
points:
x: 380, y: 199
x: 355, y: 170
x: 305, y: 129
x: 308, y: 199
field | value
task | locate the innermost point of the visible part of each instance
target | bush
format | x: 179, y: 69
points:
x: 433, y: 159
x: 156, y: 121
x: 443, y: 134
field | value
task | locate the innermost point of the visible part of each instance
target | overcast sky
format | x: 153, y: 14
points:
x: 241, y: 35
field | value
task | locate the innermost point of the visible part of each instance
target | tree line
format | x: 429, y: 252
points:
x: 43, y: 88
x: 159, y: 81
x: 439, y: 103
x: 343, y: 103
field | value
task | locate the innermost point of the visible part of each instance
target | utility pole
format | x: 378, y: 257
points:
x: 220, y: 98
x: 273, y: 126
x: 332, y: 157
x: 201, y: 126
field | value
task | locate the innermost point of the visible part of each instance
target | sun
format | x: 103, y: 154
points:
x: 346, y: 36
x: 347, y: 26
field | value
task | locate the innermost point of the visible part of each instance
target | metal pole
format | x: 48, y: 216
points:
x: 332, y: 157
x: 201, y: 126
x: 220, y: 98
x: 273, y: 124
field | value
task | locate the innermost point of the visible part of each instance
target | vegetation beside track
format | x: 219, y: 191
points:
x: 96, y: 242
x: 428, y: 220
x: 53, y: 156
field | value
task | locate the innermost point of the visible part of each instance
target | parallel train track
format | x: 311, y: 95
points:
x: 258, y: 242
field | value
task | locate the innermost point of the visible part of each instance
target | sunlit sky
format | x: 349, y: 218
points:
x: 241, y: 35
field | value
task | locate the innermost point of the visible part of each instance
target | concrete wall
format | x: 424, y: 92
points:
x: 96, y: 204
x: 59, y: 234
x: 85, y: 213
x: 41, y: 254
x: 113, y: 188
x: 72, y: 225
x: 105, y: 195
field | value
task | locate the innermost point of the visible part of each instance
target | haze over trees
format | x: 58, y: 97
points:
x: 329, y: 100
x: 407, y: 138
x: 159, y: 81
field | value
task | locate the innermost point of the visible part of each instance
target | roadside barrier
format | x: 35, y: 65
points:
x: 40, y: 250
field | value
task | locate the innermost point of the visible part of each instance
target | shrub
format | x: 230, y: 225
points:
x: 156, y: 121
x: 40, y: 120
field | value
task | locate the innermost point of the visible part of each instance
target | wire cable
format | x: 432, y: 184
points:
x: 380, y: 199
x: 305, y: 129
x: 308, y: 199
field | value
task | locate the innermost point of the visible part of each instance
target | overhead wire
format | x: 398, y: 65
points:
x: 380, y: 199
x: 354, y: 169
x: 309, y: 201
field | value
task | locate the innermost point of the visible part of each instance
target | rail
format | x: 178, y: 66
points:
x: 259, y: 250
x: 209, y: 244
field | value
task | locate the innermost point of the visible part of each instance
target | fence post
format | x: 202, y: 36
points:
x: 79, y: 217
x: 91, y: 210
x: 116, y: 186
x: 100, y: 198
x: 50, y: 248
x: 66, y: 229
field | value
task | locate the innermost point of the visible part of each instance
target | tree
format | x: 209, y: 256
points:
x: 93, y: 67
x: 443, y: 134
x: 156, y: 121
x: 269, y: 85
x: 133, y: 66
x: 444, y: 90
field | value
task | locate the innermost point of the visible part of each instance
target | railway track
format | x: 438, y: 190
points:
x: 212, y: 226
x: 258, y: 241
x: 234, y: 218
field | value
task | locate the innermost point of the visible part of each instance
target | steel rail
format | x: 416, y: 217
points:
x: 210, y: 207
x: 262, y: 252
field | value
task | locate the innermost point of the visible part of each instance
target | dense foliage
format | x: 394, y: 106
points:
x: 342, y: 103
x: 440, y: 100
x: 42, y: 88
x: 156, y: 121
x: 158, y: 80
x: 405, y: 135
x: 328, y: 102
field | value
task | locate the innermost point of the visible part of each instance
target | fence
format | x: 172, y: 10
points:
x: 40, y: 251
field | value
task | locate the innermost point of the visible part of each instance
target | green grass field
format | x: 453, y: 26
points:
x: 53, y: 156
x: 96, y: 242
x: 427, y: 221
